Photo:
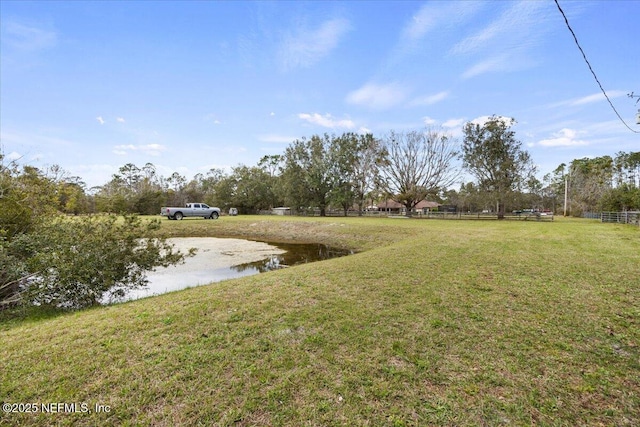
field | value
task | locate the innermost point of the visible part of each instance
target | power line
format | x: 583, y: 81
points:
x: 591, y: 69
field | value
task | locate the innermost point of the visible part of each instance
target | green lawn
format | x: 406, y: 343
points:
x: 433, y: 322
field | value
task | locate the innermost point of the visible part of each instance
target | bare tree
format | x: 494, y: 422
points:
x: 418, y: 164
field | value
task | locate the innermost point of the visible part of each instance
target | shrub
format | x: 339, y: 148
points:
x: 78, y: 262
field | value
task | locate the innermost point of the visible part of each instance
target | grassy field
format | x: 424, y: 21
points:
x: 444, y: 323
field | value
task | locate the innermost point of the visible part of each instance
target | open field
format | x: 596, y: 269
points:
x: 461, y: 323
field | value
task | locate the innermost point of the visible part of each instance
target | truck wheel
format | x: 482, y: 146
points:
x: 214, y: 215
x: 178, y: 216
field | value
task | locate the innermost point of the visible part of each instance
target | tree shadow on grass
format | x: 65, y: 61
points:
x: 20, y: 315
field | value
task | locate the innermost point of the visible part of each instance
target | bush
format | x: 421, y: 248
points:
x: 12, y: 273
x: 78, y: 262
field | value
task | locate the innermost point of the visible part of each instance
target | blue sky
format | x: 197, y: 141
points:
x: 190, y: 86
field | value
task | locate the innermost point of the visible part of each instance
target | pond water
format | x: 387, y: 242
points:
x: 296, y: 253
x: 219, y: 259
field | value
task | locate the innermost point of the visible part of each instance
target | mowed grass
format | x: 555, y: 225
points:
x: 445, y: 323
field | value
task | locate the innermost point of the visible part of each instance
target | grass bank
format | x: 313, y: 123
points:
x: 431, y: 323
x: 349, y: 233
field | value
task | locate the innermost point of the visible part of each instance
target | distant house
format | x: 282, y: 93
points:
x: 281, y: 211
x: 426, y: 206
x: 391, y: 207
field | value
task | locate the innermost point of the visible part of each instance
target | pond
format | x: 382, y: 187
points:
x: 219, y: 259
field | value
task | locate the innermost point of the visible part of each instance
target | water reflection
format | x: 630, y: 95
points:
x: 297, y: 253
x: 174, y: 278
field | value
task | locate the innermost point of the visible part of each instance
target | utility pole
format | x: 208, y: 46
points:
x: 631, y: 95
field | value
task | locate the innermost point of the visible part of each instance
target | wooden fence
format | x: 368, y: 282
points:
x: 524, y: 216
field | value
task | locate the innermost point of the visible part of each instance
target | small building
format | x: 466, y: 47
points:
x: 391, y: 207
x: 426, y: 206
x: 281, y: 211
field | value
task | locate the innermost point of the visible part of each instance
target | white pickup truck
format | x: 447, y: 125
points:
x: 190, y: 209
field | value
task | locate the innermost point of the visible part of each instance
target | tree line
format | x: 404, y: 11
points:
x: 598, y: 184
x: 353, y: 171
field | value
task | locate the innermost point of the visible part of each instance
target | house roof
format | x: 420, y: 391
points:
x: 389, y: 204
x: 392, y: 204
x: 427, y: 204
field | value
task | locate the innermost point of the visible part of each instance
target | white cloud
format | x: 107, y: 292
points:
x: 13, y: 156
x: 152, y: 148
x: 430, y: 99
x: 120, y: 120
x: 513, y: 33
x: 149, y: 149
x: 27, y: 38
x: 422, y: 22
x: 497, y: 63
x: 453, y: 123
x: 564, y: 138
x: 517, y: 26
x: 484, y: 119
x: 100, y: 120
x: 428, y: 121
x: 377, y: 96
x: 589, y: 99
x: 304, y: 47
x: 596, y: 97
x: 326, y: 121
x: 435, y: 14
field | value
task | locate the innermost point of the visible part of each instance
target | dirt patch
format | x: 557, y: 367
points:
x: 214, y: 261
x: 288, y: 232
x: 213, y: 253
